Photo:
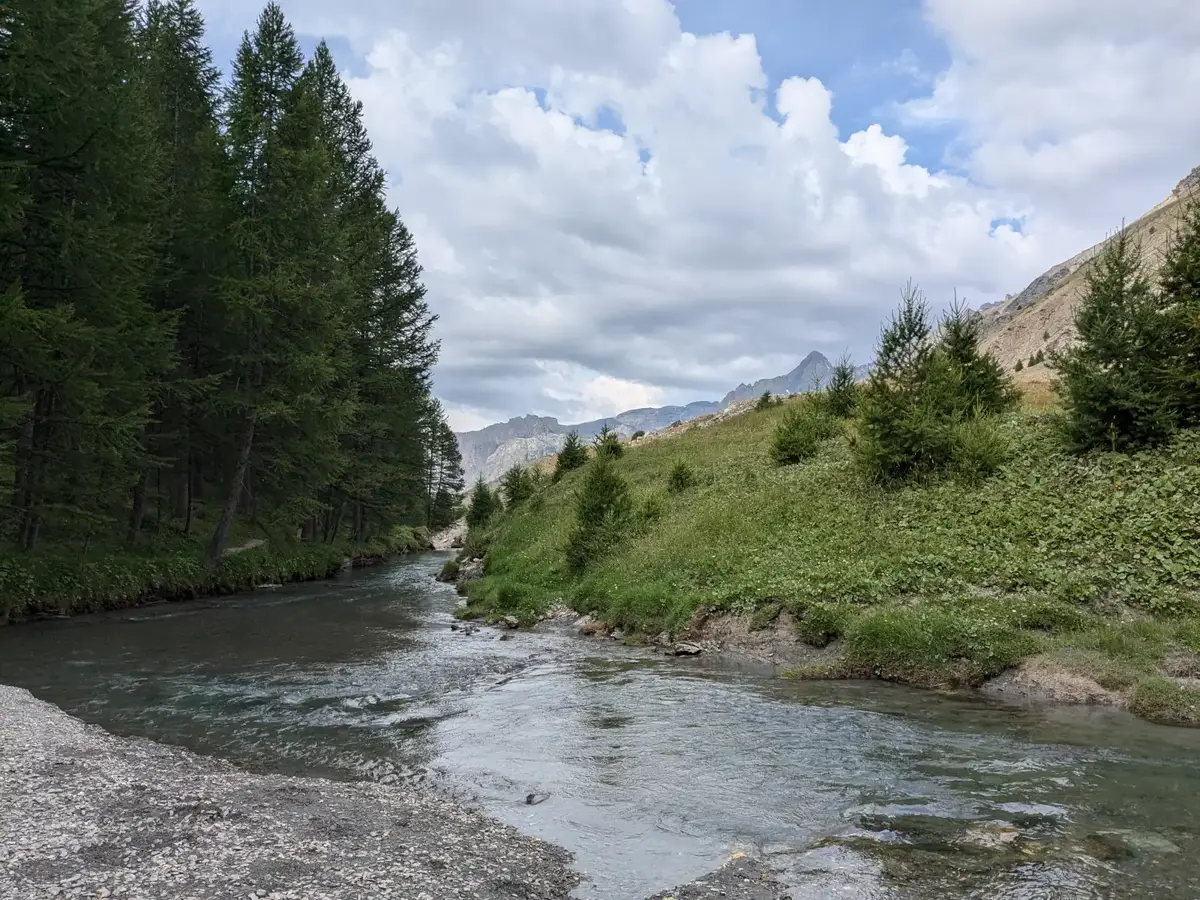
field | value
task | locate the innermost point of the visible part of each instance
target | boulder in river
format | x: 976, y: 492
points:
x: 686, y: 649
x: 591, y: 627
x: 510, y: 622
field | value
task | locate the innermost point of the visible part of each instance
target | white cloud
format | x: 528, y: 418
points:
x: 722, y: 229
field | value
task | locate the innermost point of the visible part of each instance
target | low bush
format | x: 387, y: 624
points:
x: 929, y: 645
x: 1166, y: 701
x: 820, y: 624
x: 979, y: 449
x: 682, y: 478
x: 800, y: 435
x: 450, y: 570
x: 765, y: 402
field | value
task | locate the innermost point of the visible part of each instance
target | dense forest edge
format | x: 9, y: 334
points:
x: 930, y: 525
x: 213, y: 329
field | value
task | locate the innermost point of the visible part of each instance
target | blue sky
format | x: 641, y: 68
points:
x: 621, y: 204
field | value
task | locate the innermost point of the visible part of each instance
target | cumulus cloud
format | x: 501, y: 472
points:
x: 613, y: 212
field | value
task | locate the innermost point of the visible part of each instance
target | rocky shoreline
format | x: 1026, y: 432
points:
x: 88, y: 814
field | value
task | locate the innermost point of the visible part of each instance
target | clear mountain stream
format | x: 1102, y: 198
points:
x: 652, y: 771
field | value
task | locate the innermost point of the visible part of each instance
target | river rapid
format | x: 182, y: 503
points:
x: 651, y: 771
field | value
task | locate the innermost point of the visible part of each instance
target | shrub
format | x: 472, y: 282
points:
x: 801, y: 434
x: 980, y: 449
x: 1019, y: 366
x: 822, y: 624
x: 484, y: 506
x: 682, y: 478
x: 840, y: 397
x: 518, y: 485
x: 649, y: 511
x: 1111, y: 379
x: 930, y: 646
x: 920, y: 392
x: 764, y: 402
x: 1045, y: 335
x: 608, y: 444
x: 637, y: 435
x: 1165, y: 701
x: 603, y: 511
x: 573, y: 455
x: 449, y: 570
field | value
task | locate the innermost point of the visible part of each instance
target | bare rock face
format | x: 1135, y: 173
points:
x: 1189, y: 184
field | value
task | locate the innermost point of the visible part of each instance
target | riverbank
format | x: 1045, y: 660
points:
x: 1070, y: 578
x: 89, y: 814
x: 61, y: 581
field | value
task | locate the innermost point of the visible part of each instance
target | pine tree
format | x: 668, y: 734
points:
x: 483, y: 506
x: 1179, y: 278
x: 285, y: 309
x: 608, y: 443
x: 603, y: 510
x: 840, y: 398
x: 1111, y: 379
x: 573, y: 455
x: 181, y: 88
x: 83, y: 351
x: 517, y: 485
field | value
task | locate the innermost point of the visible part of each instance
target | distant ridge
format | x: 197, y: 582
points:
x: 493, y: 450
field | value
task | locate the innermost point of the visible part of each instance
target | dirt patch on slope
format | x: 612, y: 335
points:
x: 1042, y: 680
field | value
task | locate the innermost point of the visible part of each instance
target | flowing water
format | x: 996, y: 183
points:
x: 653, y: 770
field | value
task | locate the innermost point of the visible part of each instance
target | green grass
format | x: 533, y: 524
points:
x: 66, y: 580
x: 1053, y: 552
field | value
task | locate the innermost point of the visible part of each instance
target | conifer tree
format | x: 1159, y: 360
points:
x: 1179, y: 278
x: 1111, y: 379
x: 572, y: 456
x: 84, y: 352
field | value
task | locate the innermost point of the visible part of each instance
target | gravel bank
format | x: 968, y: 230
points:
x: 87, y: 814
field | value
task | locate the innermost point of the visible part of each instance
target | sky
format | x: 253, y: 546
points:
x: 624, y: 203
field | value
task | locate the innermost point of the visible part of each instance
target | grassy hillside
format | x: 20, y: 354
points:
x: 1092, y: 562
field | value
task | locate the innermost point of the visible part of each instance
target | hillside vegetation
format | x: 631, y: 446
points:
x: 931, y: 537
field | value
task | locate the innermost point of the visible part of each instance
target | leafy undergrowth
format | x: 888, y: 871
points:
x: 946, y: 582
x: 61, y: 580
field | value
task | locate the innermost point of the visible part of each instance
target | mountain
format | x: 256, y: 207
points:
x: 813, y: 372
x: 1041, y: 317
x: 493, y: 450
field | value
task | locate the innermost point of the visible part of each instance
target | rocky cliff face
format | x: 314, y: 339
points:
x: 1041, y: 317
x: 812, y: 373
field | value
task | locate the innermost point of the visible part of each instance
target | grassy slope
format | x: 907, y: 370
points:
x: 68, y: 580
x: 1094, y: 560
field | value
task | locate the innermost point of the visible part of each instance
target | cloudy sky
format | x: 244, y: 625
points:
x: 622, y: 203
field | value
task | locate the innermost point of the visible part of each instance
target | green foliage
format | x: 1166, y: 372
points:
x: 820, y: 624
x: 681, y: 478
x: 208, y: 313
x: 449, y: 570
x: 801, y: 434
x: 608, y: 444
x: 1166, y: 701
x: 930, y: 646
x: 980, y: 447
x: 637, y: 435
x: 1111, y: 379
x: 912, y: 420
x: 573, y: 455
x: 1019, y: 365
x: 1180, y: 283
x: 603, y: 513
x: 518, y: 485
x: 840, y: 396
x: 483, y: 506
x: 765, y: 402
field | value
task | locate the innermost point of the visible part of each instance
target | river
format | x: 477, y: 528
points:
x: 652, y: 771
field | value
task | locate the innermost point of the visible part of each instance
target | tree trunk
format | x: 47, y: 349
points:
x: 137, y: 511
x: 217, y: 546
x: 180, y: 485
